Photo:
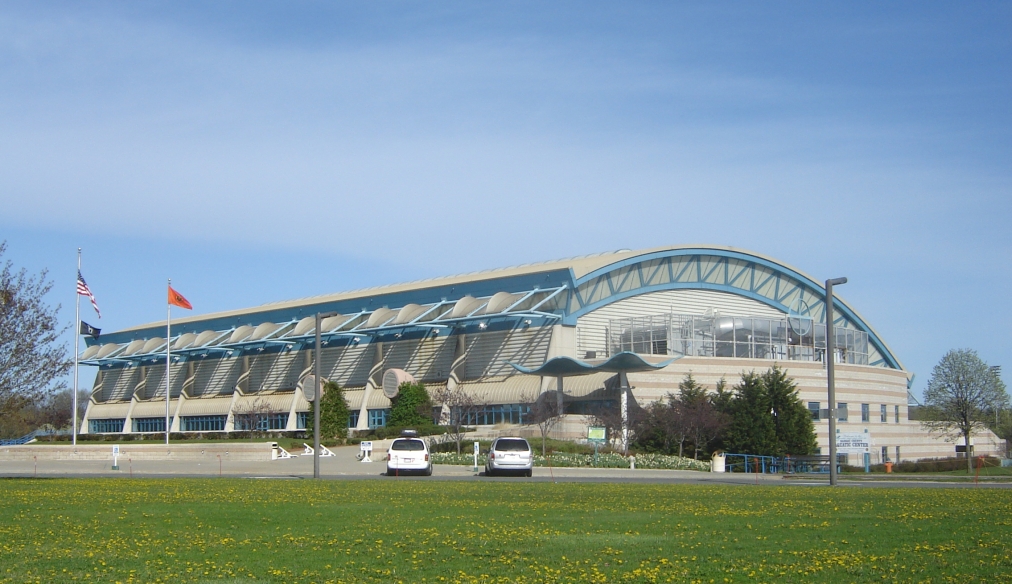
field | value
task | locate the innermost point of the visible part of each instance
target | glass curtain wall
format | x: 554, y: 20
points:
x: 790, y: 338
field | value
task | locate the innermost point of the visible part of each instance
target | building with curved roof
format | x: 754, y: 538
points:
x: 714, y: 311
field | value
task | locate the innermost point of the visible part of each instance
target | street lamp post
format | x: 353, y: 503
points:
x: 318, y: 381
x: 831, y: 382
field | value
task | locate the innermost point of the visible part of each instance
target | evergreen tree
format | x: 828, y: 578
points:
x: 752, y: 430
x: 793, y: 422
x: 334, y: 413
x: 722, y: 397
x: 411, y: 407
x: 690, y: 392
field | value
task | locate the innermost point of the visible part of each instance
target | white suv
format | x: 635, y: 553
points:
x: 409, y: 455
x: 510, y: 454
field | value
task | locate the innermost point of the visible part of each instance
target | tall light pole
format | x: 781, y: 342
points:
x: 830, y: 362
x: 316, y: 398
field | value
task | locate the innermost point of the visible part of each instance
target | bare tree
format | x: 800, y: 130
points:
x: 961, y: 394
x: 663, y: 425
x: 31, y: 360
x: 459, y: 409
x: 544, y: 413
x: 706, y: 423
x: 253, y: 417
x: 610, y: 417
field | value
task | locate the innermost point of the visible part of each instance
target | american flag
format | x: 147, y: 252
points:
x: 84, y: 290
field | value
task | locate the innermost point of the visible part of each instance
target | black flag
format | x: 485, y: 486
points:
x: 87, y: 329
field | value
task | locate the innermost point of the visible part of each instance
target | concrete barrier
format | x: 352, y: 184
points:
x: 244, y: 451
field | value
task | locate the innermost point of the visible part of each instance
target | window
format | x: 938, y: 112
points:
x: 148, y: 424
x: 813, y: 408
x: 302, y: 420
x: 106, y: 425
x: 885, y: 414
x: 897, y: 451
x: 896, y: 412
x: 353, y: 419
x: 494, y: 414
x: 865, y: 413
x: 841, y: 412
x: 204, y: 423
x: 885, y: 452
x: 378, y: 418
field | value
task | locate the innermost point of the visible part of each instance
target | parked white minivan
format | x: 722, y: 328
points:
x: 409, y: 454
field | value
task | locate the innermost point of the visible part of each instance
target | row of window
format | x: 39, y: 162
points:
x: 304, y: 420
x: 493, y: 414
x: 189, y: 423
x: 843, y: 414
x: 261, y: 422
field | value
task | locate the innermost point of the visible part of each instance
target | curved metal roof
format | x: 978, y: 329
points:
x: 561, y: 289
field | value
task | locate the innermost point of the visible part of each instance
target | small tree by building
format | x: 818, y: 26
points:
x: 752, y: 430
x: 411, y: 407
x: 544, y: 413
x: 768, y: 418
x: 459, y: 408
x: 251, y: 416
x: 961, y: 396
x: 792, y: 422
x: 334, y: 413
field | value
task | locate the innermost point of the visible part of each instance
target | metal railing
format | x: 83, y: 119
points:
x: 31, y: 436
x: 754, y: 463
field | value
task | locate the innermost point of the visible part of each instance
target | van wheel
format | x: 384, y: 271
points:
x: 428, y: 471
x: 530, y: 472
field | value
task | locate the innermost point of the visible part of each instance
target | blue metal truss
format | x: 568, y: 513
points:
x: 721, y: 270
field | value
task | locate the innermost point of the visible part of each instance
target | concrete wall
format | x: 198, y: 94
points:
x: 245, y: 451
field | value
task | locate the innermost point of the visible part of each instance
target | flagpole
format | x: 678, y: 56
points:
x: 77, y: 340
x: 168, y: 357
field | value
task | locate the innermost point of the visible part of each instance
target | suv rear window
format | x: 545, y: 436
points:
x: 407, y: 445
x: 512, y: 445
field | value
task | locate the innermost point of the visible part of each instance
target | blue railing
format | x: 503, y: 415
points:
x: 754, y: 463
x: 32, y: 436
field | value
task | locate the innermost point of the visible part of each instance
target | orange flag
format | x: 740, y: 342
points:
x: 177, y: 299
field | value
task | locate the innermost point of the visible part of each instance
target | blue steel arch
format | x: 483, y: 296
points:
x: 721, y: 270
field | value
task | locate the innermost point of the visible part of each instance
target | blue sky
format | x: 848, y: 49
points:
x: 256, y: 152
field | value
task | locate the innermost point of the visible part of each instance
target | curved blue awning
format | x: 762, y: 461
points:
x: 624, y: 362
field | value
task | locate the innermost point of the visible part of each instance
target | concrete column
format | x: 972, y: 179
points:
x: 623, y: 383
x: 370, y: 385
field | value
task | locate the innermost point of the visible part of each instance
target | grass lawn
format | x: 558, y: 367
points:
x: 420, y: 530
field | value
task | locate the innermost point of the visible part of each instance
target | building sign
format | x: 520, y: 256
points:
x: 853, y: 442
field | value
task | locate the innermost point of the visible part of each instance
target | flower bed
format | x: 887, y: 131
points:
x: 604, y: 460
